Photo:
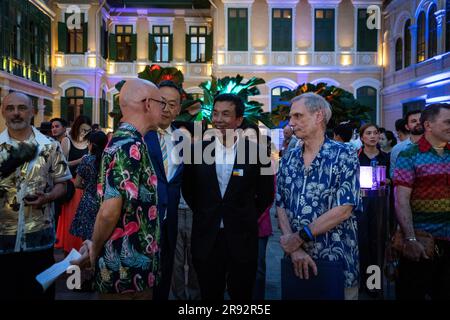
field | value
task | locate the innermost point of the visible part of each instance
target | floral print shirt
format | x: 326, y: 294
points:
x: 24, y: 228
x: 307, y: 193
x: 130, y: 258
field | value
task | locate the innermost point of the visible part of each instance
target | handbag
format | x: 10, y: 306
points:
x: 70, y: 191
x: 425, y: 238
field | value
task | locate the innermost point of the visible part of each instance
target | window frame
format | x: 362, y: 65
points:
x: 124, y: 45
x: 238, y: 41
x: 161, y: 45
x: 74, y: 109
x: 285, y: 27
x: 198, y: 35
x: 421, y: 38
x: 324, y: 47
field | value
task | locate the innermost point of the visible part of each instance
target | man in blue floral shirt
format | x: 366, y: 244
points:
x: 317, y: 193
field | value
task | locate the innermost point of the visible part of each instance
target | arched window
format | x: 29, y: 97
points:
x: 367, y: 96
x: 75, y: 102
x: 407, y: 42
x: 276, y: 97
x: 398, y: 54
x: 421, y: 37
x: 432, y: 32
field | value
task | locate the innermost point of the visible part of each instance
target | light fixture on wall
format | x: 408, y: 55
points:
x: 59, y: 61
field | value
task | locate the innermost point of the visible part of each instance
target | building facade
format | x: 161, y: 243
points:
x: 417, y: 69
x: 68, y: 55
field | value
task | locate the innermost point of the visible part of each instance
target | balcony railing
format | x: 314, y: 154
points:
x: 29, y: 72
x: 297, y: 58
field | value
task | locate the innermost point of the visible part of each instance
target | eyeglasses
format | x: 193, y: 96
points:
x: 162, y: 104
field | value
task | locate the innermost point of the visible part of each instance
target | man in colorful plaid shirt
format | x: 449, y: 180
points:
x: 422, y: 190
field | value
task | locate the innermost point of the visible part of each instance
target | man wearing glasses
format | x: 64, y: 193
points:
x: 160, y: 145
x: 125, y: 246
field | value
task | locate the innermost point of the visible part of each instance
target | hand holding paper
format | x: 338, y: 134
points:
x: 47, y: 277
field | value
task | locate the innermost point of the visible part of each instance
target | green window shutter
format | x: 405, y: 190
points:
x: 209, y: 47
x: 87, y: 108
x: 62, y: 37
x: 112, y: 47
x: 48, y: 111
x: 64, y: 108
x: 133, y: 47
x: 243, y: 33
x: 85, y: 36
x: 287, y: 34
x: 151, y: 47
x: 366, y: 38
x: 281, y: 34
x: 188, y: 48
x: 324, y: 32
x: 170, y: 47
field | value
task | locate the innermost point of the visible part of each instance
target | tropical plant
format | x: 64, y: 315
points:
x: 344, y: 106
x: 253, y: 112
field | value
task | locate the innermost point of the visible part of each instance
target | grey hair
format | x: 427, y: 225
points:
x: 314, y: 102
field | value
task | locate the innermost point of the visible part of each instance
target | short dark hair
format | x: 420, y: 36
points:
x: 400, y: 126
x: 236, y: 100
x: 62, y: 121
x: 344, y: 131
x: 171, y: 84
x: 390, y: 136
x: 432, y: 111
x: 410, y: 113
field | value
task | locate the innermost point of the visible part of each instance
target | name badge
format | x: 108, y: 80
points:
x: 238, y: 172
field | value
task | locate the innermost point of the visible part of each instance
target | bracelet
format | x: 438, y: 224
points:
x: 411, y: 239
x: 305, y: 234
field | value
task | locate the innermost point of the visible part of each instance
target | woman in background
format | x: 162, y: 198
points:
x: 87, y: 173
x: 78, y: 148
x: 387, y: 141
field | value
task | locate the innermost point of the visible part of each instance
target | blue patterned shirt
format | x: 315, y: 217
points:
x: 332, y: 180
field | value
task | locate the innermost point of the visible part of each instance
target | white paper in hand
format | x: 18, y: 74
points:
x: 47, y: 277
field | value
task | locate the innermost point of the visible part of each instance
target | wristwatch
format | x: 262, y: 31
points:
x: 303, y: 234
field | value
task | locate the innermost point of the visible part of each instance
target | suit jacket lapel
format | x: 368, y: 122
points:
x: 156, y: 154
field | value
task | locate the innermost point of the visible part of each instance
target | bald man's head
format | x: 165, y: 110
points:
x: 138, y: 99
x: 17, y: 110
x: 134, y: 91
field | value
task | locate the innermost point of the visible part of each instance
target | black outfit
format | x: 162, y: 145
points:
x: 372, y: 221
x: 425, y: 278
x: 226, y: 256
x: 75, y: 154
x: 18, y: 272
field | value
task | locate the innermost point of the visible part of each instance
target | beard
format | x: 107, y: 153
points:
x: 417, y: 130
x: 17, y: 124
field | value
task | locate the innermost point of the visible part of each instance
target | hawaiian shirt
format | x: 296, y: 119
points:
x: 130, y: 258
x: 307, y: 193
x: 427, y: 173
x: 23, y: 228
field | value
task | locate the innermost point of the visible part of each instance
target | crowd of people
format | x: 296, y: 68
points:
x: 154, y: 222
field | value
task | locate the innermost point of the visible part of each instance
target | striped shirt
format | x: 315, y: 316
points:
x: 427, y: 173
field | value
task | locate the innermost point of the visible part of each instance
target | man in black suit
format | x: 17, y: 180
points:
x: 227, y: 197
